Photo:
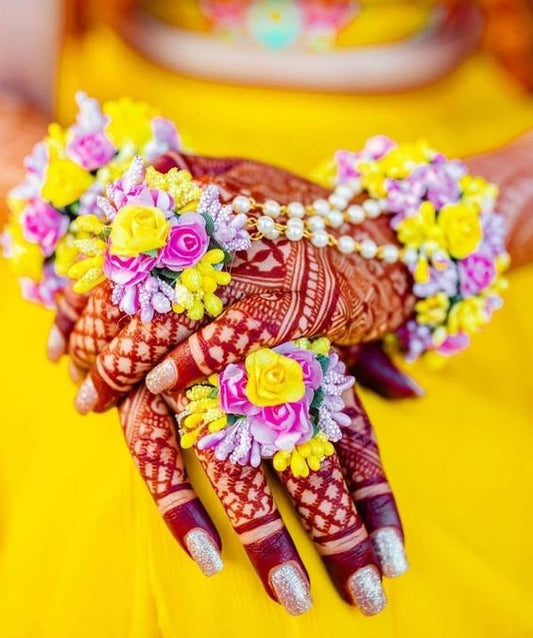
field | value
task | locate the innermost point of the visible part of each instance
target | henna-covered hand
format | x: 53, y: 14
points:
x: 279, y: 291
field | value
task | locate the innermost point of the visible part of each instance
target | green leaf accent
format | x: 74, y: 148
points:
x: 323, y: 361
x: 209, y: 224
x: 150, y: 253
x: 167, y: 273
x: 318, y: 397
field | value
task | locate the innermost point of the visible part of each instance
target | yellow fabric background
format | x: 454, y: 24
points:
x: 82, y: 549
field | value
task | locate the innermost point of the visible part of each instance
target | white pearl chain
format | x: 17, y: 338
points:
x: 311, y: 221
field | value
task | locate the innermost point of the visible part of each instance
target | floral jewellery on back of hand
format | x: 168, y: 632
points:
x: 283, y: 403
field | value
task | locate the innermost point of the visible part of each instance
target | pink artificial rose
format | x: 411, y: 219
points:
x: 282, y: 426
x: 91, y: 150
x: 128, y: 271
x: 44, y: 225
x: 476, y: 273
x: 232, y: 396
x: 312, y: 370
x: 186, y: 244
x: 454, y: 344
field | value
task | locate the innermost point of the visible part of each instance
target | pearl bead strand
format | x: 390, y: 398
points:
x: 310, y: 221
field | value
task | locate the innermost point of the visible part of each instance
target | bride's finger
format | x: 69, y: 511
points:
x: 361, y: 463
x: 328, y: 513
x: 149, y: 430
x: 248, y: 501
x: 262, y: 320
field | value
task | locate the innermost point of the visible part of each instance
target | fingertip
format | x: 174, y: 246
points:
x: 366, y: 590
x: 291, y: 589
x: 162, y: 377
x: 389, y: 549
x: 203, y: 550
x: 87, y: 397
x: 56, y: 344
x: 76, y: 373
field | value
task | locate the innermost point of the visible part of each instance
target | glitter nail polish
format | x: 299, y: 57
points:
x: 291, y: 589
x: 366, y: 590
x: 204, y: 551
x: 86, y: 397
x: 55, y: 345
x: 390, y: 551
x: 162, y: 377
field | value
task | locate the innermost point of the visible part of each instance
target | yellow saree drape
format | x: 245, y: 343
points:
x: 83, y: 551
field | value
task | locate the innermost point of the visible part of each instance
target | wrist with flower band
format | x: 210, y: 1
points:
x: 282, y: 403
x: 166, y: 240
x: 65, y: 174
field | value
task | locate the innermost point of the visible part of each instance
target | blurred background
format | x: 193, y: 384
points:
x: 83, y: 551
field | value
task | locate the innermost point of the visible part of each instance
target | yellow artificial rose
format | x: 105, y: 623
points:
x: 461, y: 228
x: 469, y: 315
x: 273, y: 379
x: 130, y: 122
x: 65, y: 182
x: 24, y: 259
x: 138, y: 229
x: 432, y: 311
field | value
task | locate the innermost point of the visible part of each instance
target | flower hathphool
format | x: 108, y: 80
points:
x: 421, y: 228
x: 178, y: 184
x: 283, y: 404
x: 468, y: 315
x: 65, y: 182
x: 129, y: 122
x: 433, y: 310
x: 273, y: 378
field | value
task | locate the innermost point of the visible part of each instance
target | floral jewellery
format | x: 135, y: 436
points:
x: 65, y: 174
x: 283, y: 404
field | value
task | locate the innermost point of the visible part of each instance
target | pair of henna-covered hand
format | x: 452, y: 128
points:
x: 279, y: 291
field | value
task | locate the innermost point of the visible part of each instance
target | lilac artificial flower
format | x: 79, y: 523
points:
x: 43, y: 292
x: 235, y: 442
x: 331, y: 415
x: 476, y: 273
x: 495, y: 229
x: 440, y: 280
x: 35, y: 164
x: 165, y: 138
x: 89, y: 201
x: 90, y: 118
x: 414, y: 339
x: 230, y: 228
x: 151, y: 296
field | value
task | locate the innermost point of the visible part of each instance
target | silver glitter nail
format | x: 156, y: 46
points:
x: 292, y: 590
x: 367, y: 591
x: 390, y: 551
x: 55, y: 345
x: 204, y: 551
x: 162, y: 377
x: 86, y: 397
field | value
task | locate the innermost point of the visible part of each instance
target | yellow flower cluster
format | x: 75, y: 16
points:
x: 203, y: 412
x: 321, y: 345
x: 25, y: 259
x: 178, y: 184
x: 87, y: 232
x: 195, y: 288
x: 305, y: 457
x: 456, y: 230
x: 130, y: 122
x: 396, y: 164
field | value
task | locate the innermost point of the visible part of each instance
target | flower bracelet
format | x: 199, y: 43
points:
x: 65, y: 174
x: 283, y: 404
x: 166, y: 242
